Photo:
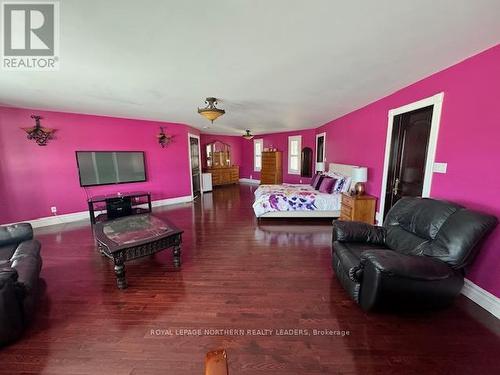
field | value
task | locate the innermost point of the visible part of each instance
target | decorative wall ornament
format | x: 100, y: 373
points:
x: 163, y: 138
x: 38, y: 133
x: 248, y: 135
x: 211, y: 112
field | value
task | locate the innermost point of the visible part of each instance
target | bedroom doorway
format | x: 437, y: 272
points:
x: 410, y: 140
x: 195, y: 164
x: 410, y: 151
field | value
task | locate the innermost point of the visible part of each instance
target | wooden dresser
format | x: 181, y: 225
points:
x: 358, y: 208
x: 272, y: 168
x: 224, y: 176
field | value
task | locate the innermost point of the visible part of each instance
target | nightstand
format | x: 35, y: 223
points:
x: 358, y: 208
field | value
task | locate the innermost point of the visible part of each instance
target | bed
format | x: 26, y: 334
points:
x: 299, y: 201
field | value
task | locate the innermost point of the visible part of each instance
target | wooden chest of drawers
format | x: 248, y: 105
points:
x: 358, y: 208
x: 225, y: 176
x: 272, y: 169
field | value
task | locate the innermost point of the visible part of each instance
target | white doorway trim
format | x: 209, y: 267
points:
x: 437, y: 102
x: 316, y: 151
x: 190, y: 167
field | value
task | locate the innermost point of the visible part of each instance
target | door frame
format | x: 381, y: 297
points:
x: 190, y: 135
x: 316, y: 151
x: 437, y: 102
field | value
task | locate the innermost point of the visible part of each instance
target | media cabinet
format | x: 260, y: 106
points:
x: 117, y: 205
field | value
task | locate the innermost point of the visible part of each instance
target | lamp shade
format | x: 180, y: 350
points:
x: 320, y: 167
x: 211, y: 114
x: 360, y: 174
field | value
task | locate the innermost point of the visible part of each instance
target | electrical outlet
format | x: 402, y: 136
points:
x: 53, y: 209
x: 251, y: 177
x: 300, y: 181
x: 440, y: 167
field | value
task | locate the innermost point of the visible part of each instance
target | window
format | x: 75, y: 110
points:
x: 258, y: 145
x: 294, y: 147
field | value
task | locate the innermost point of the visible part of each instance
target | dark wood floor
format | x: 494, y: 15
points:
x: 236, y: 274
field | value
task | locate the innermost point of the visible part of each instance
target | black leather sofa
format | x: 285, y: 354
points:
x: 20, y: 266
x: 415, y: 260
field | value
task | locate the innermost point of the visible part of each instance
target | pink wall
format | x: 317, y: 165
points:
x: 34, y: 178
x: 469, y: 141
x: 233, y: 141
x: 279, y: 141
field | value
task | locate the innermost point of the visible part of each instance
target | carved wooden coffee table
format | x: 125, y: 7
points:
x: 136, y: 236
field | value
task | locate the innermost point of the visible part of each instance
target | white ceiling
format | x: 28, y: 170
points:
x: 277, y: 64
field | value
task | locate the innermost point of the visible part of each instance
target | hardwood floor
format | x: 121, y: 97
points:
x: 236, y: 274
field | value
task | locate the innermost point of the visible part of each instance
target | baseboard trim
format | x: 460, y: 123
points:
x: 250, y: 181
x: 57, y: 219
x: 170, y: 201
x: 483, y: 298
x: 77, y: 216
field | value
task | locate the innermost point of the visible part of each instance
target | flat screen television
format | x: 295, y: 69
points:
x: 110, y: 167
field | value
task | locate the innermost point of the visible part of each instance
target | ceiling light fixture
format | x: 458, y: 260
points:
x: 248, y: 135
x: 211, y: 112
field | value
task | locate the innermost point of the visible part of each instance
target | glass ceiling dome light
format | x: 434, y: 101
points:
x: 248, y: 135
x: 211, y: 112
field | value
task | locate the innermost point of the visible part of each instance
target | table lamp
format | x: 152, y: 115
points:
x: 359, y: 176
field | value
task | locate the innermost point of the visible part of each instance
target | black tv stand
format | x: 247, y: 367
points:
x: 133, y: 201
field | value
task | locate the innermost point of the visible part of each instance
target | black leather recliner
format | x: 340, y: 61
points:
x: 415, y: 260
x: 20, y: 266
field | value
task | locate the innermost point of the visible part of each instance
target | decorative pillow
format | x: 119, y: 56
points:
x: 315, y: 179
x: 339, y: 185
x: 319, y: 181
x: 334, y: 183
x: 326, y: 185
x: 347, y: 184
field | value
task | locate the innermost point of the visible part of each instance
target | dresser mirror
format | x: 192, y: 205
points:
x: 218, y: 155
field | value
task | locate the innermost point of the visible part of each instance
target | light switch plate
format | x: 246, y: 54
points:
x: 440, y: 167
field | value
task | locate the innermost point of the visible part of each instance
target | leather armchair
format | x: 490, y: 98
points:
x: 415, y: 260
x: 20, y: 266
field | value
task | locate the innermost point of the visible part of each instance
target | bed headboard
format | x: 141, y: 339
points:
x: 344, y: 169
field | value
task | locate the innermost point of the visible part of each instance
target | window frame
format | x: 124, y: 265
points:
x: 291, y: 139
x: 255, y: 142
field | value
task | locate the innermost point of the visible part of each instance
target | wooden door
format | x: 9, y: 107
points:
x: 408, y: 155
x: 306, y: 164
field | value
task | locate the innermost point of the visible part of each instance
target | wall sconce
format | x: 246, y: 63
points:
x: 38, y: 133
x: 163, y: 139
